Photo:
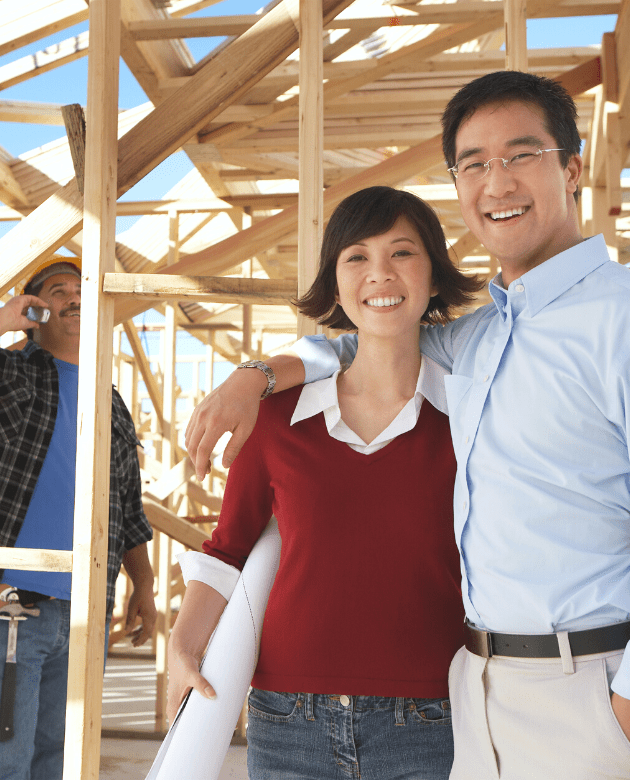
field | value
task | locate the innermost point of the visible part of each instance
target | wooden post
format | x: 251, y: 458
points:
x: 311, y: 132
x: 515, y: 34
x: 169, y: 446
x: 91, y: 506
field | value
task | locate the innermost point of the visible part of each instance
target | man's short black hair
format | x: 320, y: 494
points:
x: 372, y: 212
x: 504, y: 86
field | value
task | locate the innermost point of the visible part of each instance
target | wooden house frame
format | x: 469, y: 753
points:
x: 360, y: 106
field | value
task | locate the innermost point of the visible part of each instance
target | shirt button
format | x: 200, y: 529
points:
x: 345, y: 700
x: 486, y: 377
x: 519, y: 288
x: 465, y: 504
x: 467, y: 439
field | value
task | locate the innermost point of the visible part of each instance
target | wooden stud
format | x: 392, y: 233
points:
x: 74, y: 120
x: 91, y: 505
x: 311, y: 144
x: 516, y: 35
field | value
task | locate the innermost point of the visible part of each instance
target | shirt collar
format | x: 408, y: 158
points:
x: 321, y: 396
x: 549, y: 280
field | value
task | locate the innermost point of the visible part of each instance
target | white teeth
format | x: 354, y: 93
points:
x: 505, y: 214
x: 380, y: 302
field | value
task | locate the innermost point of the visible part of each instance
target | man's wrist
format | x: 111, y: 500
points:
x: 258, y: 365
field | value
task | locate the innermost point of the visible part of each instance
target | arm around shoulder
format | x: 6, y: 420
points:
x: 233, y: 408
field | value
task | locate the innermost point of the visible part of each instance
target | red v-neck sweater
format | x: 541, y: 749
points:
x: 367, y: 596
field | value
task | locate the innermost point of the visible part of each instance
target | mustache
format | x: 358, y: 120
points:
x: 70, y: 309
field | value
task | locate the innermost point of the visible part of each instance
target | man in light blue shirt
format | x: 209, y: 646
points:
x: 539, y: 402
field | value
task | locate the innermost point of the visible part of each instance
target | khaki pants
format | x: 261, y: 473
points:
x: 525, y: 719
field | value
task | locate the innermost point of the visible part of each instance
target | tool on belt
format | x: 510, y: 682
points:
x: 12, y: 611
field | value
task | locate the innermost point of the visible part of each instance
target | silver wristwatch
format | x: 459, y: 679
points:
x: 268, y: 372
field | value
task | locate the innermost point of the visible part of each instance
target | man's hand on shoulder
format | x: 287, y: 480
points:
x: 13, y: 313
x: 621, y: 708
x: 231, y: 408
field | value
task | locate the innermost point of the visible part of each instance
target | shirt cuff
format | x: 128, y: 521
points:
x: 621, y: 681
x: 319, y: 358
x: 211, y: 571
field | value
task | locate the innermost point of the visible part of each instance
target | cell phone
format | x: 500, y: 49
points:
x: 37, y: 314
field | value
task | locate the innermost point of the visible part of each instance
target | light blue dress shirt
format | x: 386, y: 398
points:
x: 539, y: 404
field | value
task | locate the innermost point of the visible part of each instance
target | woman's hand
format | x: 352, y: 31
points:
x: 621, y: 708
x: 183, y: 674
x: 198, y: 616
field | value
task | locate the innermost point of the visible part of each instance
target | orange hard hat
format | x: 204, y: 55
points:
x: 67, y: 265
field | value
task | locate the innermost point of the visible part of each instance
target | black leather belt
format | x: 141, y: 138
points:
x: 593, y: 640
x: 27, y: 597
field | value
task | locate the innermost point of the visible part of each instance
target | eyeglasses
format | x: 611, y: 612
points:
x: 472, y: 168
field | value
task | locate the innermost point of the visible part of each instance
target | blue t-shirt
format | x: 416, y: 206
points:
x: 49, y: 520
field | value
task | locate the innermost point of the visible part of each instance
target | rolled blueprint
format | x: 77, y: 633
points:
x: 197, y: 742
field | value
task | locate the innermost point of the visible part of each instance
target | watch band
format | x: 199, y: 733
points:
x: 268, y: 372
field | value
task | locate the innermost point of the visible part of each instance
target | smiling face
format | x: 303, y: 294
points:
x: 385, y: 282
x: 523, y: 218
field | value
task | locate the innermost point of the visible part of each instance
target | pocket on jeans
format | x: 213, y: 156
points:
x: 275, y: 706
x: 431, y: 712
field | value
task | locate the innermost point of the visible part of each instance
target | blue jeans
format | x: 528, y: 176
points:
x: 36, y: 750
x: 39, y: 717
x: 303, y: 736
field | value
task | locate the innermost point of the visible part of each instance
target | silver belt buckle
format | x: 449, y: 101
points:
x: 480, y: 642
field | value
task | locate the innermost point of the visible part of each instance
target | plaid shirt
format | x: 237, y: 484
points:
x: 29, y: 397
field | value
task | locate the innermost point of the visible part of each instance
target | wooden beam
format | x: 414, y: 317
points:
x: 311, y: 147
x: 463, y: 247
x: 30, y: 112
x: 582, y: 78
x: 33, y: 65
x: 516, y: 35
x: 74, y: 120
x: 622, y: 49
x: 24, y: 23
x: 200, y: 288
x: 440, y: 40
x: 610, y: 75
x: 170, y: 480
x: 155, y: 394
x: 167, y: 522
x: 222, y: 81
x: 91, y: 501
x: 10, y: 191
x: 268, y: 232
x: 438, y: 13
x: 26, y: 559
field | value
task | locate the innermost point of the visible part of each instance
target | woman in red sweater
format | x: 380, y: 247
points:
x: 365, y: 613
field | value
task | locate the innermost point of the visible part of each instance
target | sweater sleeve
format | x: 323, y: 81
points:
x: 247, y: 502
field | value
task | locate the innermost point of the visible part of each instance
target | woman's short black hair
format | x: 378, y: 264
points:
x: 372, y: 212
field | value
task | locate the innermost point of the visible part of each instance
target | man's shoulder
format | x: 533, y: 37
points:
x: 616, y: 274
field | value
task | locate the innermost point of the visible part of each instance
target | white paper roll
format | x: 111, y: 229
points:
x: 197, y: 742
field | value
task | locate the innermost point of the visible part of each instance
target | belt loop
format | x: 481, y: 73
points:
x: 309, y: 707
x: 565, y: 652
x: 400, y: 711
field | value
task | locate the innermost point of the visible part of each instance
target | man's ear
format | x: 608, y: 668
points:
x: 574, y: 170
